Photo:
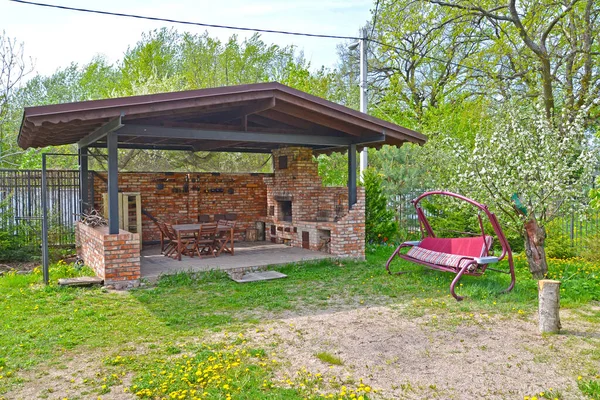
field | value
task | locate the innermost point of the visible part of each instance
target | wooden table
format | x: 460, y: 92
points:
x: 194, y: 228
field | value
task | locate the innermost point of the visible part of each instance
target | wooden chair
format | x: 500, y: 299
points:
x: 224, y: 238
x: 166, y: 243
x: 205, y: 241
x: 181, y: 245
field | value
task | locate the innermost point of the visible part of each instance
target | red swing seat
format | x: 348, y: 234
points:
x: 453, y: 253
x: 462, y: 256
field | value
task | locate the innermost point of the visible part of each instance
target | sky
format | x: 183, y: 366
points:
x: 54, y: 38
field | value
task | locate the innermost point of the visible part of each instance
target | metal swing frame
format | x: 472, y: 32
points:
x: 474, y: 266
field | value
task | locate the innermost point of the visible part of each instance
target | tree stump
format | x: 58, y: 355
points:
x: 549, y: 305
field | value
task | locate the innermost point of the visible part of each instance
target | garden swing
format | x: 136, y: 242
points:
x: 462, y: 255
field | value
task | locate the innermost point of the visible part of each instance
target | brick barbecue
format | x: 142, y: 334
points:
x: 303, y: 213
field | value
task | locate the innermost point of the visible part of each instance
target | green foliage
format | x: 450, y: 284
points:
x: 16, y: 248
x: 402, y: 170
x: 14, y: 243
x: 450, y: 218
x: 591, y: 248
x: 595, y: 195
x: 558, y: 243
x: 590, y: 387
x: 333, y: 169
x: 380, y: 225
x: 329, y: 358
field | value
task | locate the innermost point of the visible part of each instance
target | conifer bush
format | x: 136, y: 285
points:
x: 380, y: 224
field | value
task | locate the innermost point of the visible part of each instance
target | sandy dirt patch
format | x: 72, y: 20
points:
x: 79, y: 377
x: 475, y: 356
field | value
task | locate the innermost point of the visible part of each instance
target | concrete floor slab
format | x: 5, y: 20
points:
x: 248, y: 256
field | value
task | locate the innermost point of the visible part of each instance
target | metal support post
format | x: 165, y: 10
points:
x: 45, y: 224
x: 84, y: 203
x: 113, y: 183
x: 351, y: 175
x: 45, y: 260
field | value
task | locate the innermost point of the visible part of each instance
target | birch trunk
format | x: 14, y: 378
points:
x: 535, y: 236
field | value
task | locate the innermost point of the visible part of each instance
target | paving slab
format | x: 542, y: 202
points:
x: 248, y: 256
x: 256, y: 276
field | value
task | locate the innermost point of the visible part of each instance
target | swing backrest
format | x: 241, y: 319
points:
x: 467, y: 246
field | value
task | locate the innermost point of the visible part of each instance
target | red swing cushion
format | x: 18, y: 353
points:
x: 450, y: 252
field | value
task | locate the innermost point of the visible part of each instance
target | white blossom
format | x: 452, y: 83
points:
x: 548, y: 167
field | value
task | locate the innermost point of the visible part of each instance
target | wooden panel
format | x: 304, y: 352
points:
x: 138, y: 214
x: 128, y: 222
x: 283, y: 162
x: 305, y: 240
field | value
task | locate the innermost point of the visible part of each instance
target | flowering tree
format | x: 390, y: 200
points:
x: 529, y: 169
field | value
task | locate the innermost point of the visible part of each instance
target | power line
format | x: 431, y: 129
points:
x: 247, y: 29
x: 175, y: 21
x: 374, y: 19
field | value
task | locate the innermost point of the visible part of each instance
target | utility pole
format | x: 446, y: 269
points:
x: 362, y: 46
x: 364, y: 161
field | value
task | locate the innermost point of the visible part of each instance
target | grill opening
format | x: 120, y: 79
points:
x: 285, y: 210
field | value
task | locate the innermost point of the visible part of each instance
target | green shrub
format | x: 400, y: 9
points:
x: 15, y: 248
x: 14, y: 243
x: 558, y: 243
x: 449, y: 217
x: 591, y: 248
x: 380, y: 224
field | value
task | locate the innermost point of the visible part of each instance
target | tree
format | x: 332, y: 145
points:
x: 528, y: 169
x: 419, y: 61
x: 539, y: 48
x: 13, y: 68
x: 380, y: 225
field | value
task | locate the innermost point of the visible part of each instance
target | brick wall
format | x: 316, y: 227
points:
x: 115, y: 258
x: 182, y: 197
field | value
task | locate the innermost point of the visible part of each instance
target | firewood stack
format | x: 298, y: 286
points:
x: 93, y: 218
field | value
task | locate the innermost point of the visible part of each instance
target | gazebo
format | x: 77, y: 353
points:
x: 254, y: 118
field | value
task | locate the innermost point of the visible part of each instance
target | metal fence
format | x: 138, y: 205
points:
x: 21, y: 208
x: 405, y: 211
x: 21, y: 204
x: 579, y: 229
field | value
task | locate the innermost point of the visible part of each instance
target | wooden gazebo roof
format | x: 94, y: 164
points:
x: 246, y: 118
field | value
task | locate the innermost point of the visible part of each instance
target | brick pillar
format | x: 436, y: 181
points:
x: 114, y: 258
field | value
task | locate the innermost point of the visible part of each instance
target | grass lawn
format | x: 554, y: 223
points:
x: 187, y: 337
